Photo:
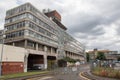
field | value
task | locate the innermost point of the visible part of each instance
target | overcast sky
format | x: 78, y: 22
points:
x: 95, y: 23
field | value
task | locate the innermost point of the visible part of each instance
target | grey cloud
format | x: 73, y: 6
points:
x: 80, y: 24
x: 86, y: 22
x: 87, y: 25
x: 118, y: 28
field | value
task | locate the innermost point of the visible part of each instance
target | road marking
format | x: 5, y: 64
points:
x: 41, y: 78
x: 44, y: 78
x: 83, y: 76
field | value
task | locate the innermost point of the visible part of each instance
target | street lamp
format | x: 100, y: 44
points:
x: 3, y: 36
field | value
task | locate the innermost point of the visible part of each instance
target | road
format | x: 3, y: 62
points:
x: 67, y: 73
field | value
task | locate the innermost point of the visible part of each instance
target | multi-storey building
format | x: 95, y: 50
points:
x: 109, y: 55
x: 1, y: 36
x: 42, y: 34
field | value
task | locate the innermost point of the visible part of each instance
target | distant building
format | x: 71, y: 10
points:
x: 111, y: 55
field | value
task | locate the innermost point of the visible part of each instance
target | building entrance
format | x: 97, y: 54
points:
x: 51, y: 60
x: 35, y: 62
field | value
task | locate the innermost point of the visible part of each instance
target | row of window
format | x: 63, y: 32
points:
x: 16, y: 26
x: 21, y: 9
x: 15, y: 34
x: 70, y: 41
x: 39, y: 29
x: 16, y: 10
x: 31, y: 25
x: 40, y: 22
x: 33, y: 18
x: 31, y: 44
x: 40, y: 37
x: 72, y: 46
x: 15, y: 18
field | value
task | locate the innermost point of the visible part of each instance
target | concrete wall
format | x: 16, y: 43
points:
x: 12, y: 53
x: 12, y: 59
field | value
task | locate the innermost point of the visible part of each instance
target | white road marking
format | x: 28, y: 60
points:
x: 44, y: 78
x: 41, y: 78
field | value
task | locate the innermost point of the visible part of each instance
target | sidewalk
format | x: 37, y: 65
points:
x: 90, y: 76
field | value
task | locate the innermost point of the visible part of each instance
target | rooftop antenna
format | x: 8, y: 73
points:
x: 44, y: 10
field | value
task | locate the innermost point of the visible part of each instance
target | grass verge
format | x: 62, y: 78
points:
x: 22, y: 74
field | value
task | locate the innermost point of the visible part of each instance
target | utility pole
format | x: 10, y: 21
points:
x: 3, y: 36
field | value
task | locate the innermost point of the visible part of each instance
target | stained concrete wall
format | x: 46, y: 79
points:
x: 12, y: 53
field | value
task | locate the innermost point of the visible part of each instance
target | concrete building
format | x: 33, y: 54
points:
x: 110, y: 55
x: 42, y: 35
x: 1, y: 36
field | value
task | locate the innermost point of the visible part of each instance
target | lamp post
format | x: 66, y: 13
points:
x: 3, y: 36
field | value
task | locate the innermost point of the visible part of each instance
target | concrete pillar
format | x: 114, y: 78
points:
x: 45, y: 61
x: 51, y: 50
x: 66, y: 54
x: 45, y: 48
x: 13, y: 44
x: 25, y: 45
x: 57, y: 56
x: 72, y: 55
x: 45, y: 57
x: 36, y: 46
x: 25, y: 62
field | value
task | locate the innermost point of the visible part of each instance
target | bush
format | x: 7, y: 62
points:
x: 106, y: 72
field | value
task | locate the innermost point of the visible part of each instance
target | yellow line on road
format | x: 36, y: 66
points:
x: 83, y: 76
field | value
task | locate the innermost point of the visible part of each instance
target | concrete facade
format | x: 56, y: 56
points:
x: 38, y: 34
x: 110, y: 55
x: 11, y: 53
x: 12, y: 59
x: 15, y: 59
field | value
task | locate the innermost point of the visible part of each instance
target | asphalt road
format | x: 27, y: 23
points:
x: 66, y: 73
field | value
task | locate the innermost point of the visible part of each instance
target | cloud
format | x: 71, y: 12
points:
x: 96, y: 23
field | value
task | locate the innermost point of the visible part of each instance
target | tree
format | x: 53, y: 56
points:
x: 101, y: 56
x: 68, y: 59
x: 87, y: 57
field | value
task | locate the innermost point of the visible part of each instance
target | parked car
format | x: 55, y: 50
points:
x: 37, y: 67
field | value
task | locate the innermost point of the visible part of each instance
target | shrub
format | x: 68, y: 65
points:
x: 106, y: 72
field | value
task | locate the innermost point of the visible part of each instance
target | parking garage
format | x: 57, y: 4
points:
x: 35, y: 61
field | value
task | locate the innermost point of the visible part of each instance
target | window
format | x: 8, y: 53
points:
x: 15, y: 34
x: 18, y: 17
x: 40, y: 22
x: 31, y: 44
x: 16, y: 10
x: 16, y: 26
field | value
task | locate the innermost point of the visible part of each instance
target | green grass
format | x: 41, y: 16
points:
x: 22, y: 74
